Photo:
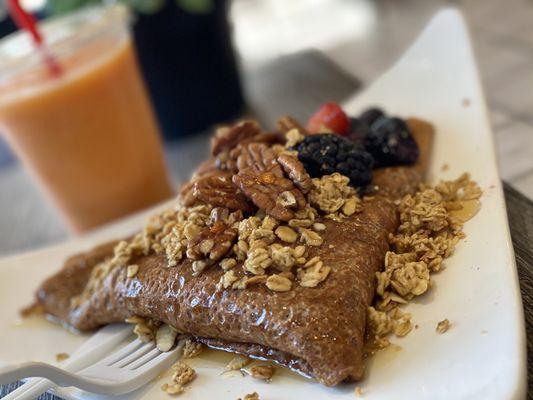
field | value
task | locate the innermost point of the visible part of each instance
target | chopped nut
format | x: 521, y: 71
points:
x: 263, y: 372
x: 132, y: 270
x: 310, y: 237
x: 443, y: 326
x: 165, y: 337
x: 286, y: 199
x: 278, y: 283
x: 286, y: 234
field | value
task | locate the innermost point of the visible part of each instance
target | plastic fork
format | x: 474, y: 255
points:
x: 93, y: 349
x: 128, y: 369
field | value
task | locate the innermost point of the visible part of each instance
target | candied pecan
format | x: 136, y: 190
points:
x: 226, y: 161
x: 227, y: 137
x: 212, y: 242
x: 287, y: 123
x: 206, y: 167
x: 216, y: 189
x: 296, y: 171
x: 261, y: 178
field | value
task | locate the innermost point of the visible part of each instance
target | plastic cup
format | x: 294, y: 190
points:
x: 88, y: 136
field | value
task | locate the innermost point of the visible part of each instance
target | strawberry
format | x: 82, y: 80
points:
x: 329, y: 118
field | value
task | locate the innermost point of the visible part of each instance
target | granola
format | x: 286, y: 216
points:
x: 428, y: 233
x: 192, y: 348
x: 332, y: 193
x: 182, y: 376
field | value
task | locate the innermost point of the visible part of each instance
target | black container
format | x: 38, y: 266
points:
x: 190, y: 67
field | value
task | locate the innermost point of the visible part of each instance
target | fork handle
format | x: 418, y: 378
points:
x: 39, y: 387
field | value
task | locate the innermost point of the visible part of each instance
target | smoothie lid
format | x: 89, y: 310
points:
x: 63, y: 35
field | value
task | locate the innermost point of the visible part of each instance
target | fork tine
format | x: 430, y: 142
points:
x: 134, y: 356
x: 174, y: 354
x: 123, y: 352
x: 144, y: 359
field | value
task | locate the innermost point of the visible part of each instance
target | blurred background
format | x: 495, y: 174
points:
x: 210, y: 61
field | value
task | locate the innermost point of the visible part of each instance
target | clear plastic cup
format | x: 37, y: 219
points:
x: 88, y: 136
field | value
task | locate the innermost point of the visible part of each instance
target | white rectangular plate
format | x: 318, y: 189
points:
x: 482, y: 356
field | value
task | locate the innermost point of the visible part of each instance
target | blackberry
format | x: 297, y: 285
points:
x: 325, y: 153
x: 390, y: 142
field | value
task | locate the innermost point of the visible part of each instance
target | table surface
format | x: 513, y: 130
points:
x: 267, y: 85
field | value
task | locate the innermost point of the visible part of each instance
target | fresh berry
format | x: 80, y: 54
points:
x: 390, y: 142
x: 358, y: 130
x: 324, y: 154
x: 330, y: 118
x: 371, y: 115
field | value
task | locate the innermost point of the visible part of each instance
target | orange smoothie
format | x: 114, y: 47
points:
x: 89, y: 136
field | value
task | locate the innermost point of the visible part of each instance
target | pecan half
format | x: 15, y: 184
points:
x: 227, y: 137
x: 216, y: 189
x: 287, y: 123
x: 261, y: 178
x: 296, y: 171
x: 212, y: 242
x: 227, y: 160
x: 206, y: 167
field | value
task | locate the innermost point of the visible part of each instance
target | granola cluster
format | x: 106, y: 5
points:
x: 431, y: 225
x: 182, y: 375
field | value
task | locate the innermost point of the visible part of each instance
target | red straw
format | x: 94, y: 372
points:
x: 27, y: 22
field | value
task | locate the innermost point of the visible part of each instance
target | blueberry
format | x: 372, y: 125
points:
x: 370, y: 116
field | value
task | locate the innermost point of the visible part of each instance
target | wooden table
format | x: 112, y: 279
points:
x: 280, y: 88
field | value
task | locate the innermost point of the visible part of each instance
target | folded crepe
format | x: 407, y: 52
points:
x: 315, y: 328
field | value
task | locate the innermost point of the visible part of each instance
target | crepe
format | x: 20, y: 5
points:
x: 317, y: 331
